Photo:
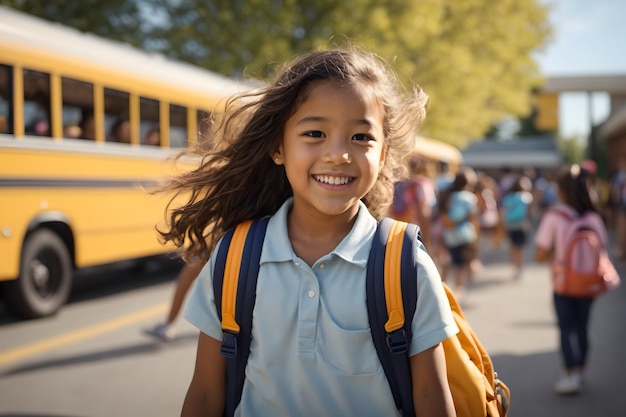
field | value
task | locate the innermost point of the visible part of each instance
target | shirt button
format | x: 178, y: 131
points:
x: 321, y: 266
x: 311, y: 294
x: 298, y: 264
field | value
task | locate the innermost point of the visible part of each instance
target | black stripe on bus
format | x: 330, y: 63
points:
x: 73, y: 183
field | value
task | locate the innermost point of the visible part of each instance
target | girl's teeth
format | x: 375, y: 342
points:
x: 333, y: 180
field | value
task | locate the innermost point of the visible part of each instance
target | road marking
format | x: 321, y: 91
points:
x: 79, y: 335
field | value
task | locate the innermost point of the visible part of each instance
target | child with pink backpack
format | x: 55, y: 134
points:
x: 573, y: 237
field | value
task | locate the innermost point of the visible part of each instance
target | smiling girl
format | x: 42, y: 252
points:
x: 318, y: 151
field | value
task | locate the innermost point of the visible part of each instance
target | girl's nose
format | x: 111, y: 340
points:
x: 337, y: 152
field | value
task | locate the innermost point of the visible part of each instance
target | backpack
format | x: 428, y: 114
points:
x: 403, y: 197
x: 515, y: 209
x: 391, y: 296
x: 586, y: 270
x: 457, y: 213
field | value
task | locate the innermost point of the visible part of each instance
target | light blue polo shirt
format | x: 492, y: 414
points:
x: 312, y: 352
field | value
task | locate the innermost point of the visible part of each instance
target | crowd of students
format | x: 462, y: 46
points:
x: 471, y: 205
x: 456, y: 210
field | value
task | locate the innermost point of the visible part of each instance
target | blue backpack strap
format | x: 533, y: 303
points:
x: 392, y: 348
x: 236, y: 345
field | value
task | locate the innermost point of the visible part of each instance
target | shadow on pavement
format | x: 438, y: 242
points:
x: 531, y: 379
x: 104, y: 355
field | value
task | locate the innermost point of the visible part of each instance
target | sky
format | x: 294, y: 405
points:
x: 588, y: 39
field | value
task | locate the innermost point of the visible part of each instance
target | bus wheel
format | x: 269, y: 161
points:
x: 45, y: 279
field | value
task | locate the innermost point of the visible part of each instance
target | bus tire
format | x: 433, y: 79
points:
x: 45, y: 279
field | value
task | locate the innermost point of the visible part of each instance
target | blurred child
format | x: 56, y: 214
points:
x: 459, y: 210
x: 515, y: 215
x: 187, y: 275
x: 573, y: 313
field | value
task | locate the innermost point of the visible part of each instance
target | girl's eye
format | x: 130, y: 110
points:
x: 315, y: 134
x: 362, y: 137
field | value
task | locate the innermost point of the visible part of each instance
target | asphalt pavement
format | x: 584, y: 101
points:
x: 516, y: 322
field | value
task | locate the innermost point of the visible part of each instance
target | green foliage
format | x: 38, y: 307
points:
x: 602, y: 159
x: 572, y: 149
x: 473, y: 57
x: 113, y: 19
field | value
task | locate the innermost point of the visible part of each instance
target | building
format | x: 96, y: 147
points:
x: 532, y: 152
x: 613, y: 129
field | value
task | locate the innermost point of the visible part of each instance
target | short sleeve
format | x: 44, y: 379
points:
x: 546, y: 233
x: 433, y: 321
x: 200, y: 309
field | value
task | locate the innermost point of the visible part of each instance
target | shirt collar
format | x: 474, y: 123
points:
x: 354, y: 248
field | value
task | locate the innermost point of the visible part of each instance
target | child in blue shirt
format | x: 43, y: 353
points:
x: 459, y: 207
x: 317, y: 151
x: 515, y: 219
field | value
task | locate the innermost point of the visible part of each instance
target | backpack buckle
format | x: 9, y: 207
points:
x: 229, y: 344
x: 396, y: 340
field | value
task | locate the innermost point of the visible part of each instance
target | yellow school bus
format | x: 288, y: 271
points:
x: 438, y: 152
x: 87, y: 127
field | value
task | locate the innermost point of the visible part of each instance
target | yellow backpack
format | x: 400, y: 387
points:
x: 474, y: 384
x: 391, y: 288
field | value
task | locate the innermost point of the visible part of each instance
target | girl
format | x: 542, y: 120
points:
x: 577, y: 197
x: 459, y: 210
x: 316, y: 150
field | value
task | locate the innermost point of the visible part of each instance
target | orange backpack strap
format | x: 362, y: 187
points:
x: 231, y: 272
x: 393, y: 290
x: 234, y: 285
x: 391, y: 295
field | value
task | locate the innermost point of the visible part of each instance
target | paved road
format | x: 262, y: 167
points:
x: 516, y: 323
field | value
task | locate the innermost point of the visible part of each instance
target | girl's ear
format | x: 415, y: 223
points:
x: 277, y: 156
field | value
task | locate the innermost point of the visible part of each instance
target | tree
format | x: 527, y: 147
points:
x: 572, y: 149
x: 114, y: 19
x: 472, y: 57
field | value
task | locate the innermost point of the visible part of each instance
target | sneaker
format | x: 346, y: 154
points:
x: 163, y: 331
x: 569, y: 384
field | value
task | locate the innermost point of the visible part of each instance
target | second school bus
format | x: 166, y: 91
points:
x: 71, y: 194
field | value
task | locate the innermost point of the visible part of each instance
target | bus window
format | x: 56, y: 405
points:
x: 116, y: 111
x: 204, y: 129
x: 149, y: 116
x: 6, y: 98
x: 77, y: 99
x: 36, y: 103
x: 178, y: 126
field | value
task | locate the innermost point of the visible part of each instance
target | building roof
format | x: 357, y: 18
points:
x: 610, y: 83
x: 539, y: 152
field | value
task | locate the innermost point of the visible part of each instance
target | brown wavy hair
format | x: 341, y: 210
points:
x: 577, y: 189
x: 237, y: 180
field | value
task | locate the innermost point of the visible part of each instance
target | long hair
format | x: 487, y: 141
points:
x: 577, y: 189
x: 237, y: 180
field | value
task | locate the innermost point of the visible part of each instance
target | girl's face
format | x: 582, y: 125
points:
x: 332, y: 149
